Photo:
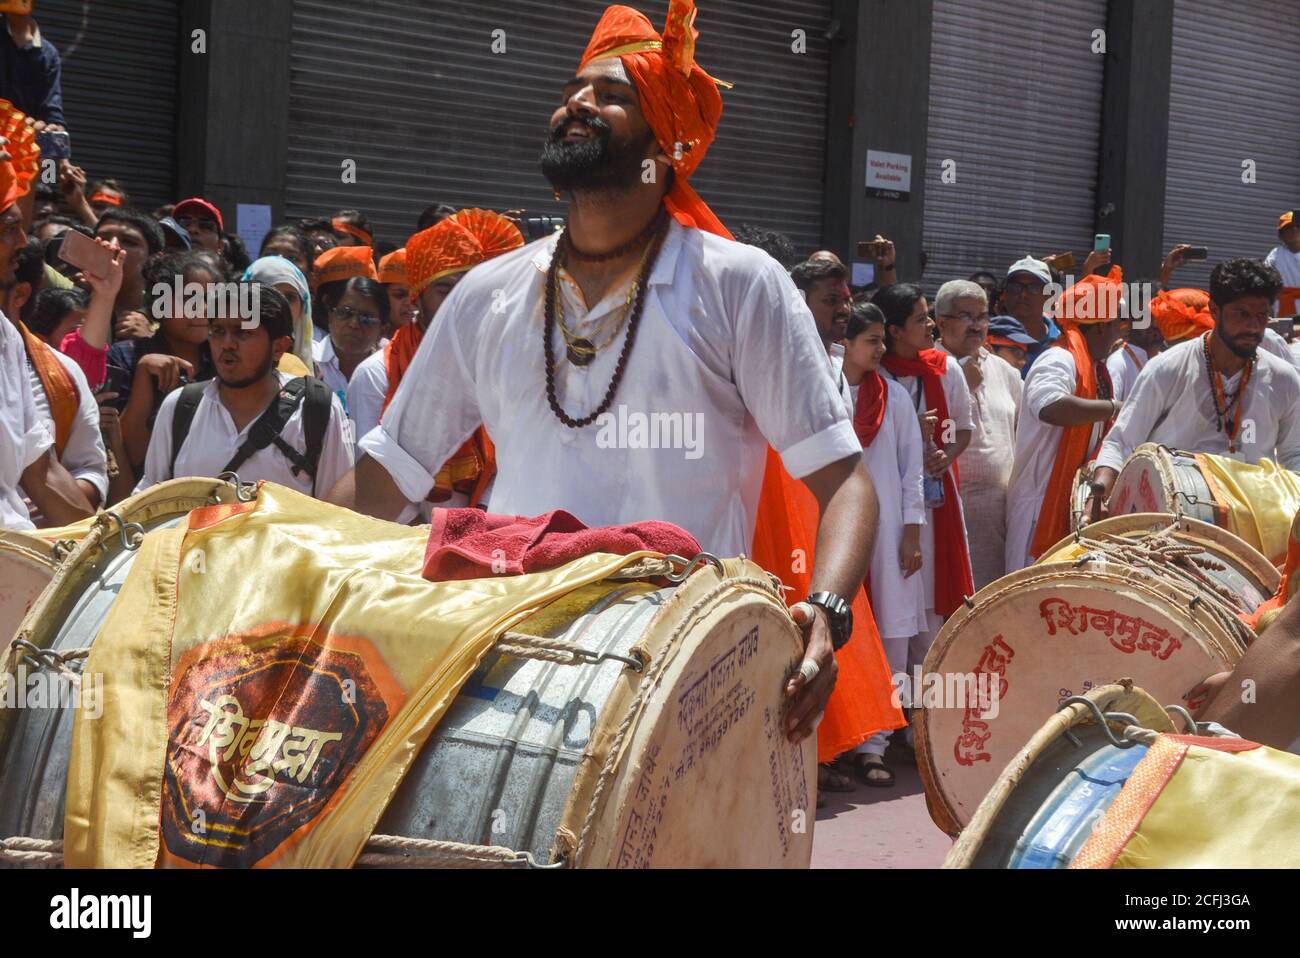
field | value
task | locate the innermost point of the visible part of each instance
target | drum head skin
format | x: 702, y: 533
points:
x: 1250, y: 574
x: 27, y: 565
x: 704, y: 776
x: 1156, y: 479
x: 1037, y: 637
x: 1010, y: 816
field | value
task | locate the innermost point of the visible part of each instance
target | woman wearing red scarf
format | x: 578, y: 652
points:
x: 938, y: 392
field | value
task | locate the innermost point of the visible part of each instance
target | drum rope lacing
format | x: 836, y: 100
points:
x: 522, y: 646
x: 48, y: 658
x: 1165, y: 556
x: 648, y: 684
x: 388, y: 851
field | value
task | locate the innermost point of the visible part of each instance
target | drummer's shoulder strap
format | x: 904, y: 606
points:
x: 183, y: 417
x: 317, y: 402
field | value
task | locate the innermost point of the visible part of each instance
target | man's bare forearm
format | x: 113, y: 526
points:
x: 55, y: 493
x: 1267, y: 710
x: 382, y: 498
x: 846, y: 534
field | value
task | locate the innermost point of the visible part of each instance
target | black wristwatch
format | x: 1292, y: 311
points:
x: 838, y: 614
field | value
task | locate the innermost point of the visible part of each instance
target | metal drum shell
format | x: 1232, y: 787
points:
x: 988, y: 841
x: 35, y: 744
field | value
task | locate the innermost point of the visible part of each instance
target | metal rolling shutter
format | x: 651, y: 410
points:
x: 1015, y: 100
x: 120, y: 74
x: 1231, y: 99
x: 430, y: 114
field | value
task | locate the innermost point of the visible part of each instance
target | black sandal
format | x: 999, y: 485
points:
x: 831, y: 779
x: 866, y: 763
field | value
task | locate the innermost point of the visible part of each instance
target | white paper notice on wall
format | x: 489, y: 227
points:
x: 889, y: 174
x: 254, y: 220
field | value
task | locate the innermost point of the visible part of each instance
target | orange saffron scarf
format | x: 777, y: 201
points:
x: 60, y: 388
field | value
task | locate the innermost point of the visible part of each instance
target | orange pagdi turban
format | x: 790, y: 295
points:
x: 392, y: 268
x: 17, y: 173
x: 345, y: 262
x: 679, y: 100
x: 1181, y: 313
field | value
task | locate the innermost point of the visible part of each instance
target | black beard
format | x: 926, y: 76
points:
x: 267, y: 366
x: 1239, y: 351
x: 599, y: 164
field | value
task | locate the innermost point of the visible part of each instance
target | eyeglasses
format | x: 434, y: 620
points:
x: 968, y: 318
x: 205, y: 226
x: 347, y: 314
x: 1030, y: 287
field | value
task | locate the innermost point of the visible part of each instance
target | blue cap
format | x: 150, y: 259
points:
x: 1008, y: 327
x: 171, y: 226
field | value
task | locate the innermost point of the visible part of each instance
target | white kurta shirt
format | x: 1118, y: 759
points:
x: 1052, y: 378
x: 213, y: 441
x: 366, y: 392
x: 961, y: 411
x: 896, y: 464
x: 1279, y: 347
x: 23, y: 435
x: 1173, y: 404
x: 985, y: 466
x: 327, y: 368
x: 1286, y: 263
x: 726, y: 360
x: 1124, y: 364
x: 84, y: 455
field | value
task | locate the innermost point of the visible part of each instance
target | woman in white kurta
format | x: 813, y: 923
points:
x: 949, y: 439
x: 894, y: 458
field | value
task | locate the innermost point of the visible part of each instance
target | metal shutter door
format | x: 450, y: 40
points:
x: 120, y: 74
x: 430, y: 114
x: 1232, y: 99
x: 1015, y: 100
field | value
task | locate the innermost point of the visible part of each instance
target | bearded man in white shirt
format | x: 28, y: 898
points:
x: 537, y: 345
x: 1218, y: 392
x: 961, y: 309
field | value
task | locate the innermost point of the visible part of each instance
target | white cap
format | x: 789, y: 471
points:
x: 1035, y: 267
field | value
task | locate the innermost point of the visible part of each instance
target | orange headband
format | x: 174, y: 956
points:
x: 341, y: 226
x: 109, y: 198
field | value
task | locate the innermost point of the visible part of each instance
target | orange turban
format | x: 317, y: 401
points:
x: 1093, y: 299
x: 345, y: 262
x: 392, y: 268
x: 460, y: 242
x: 1181, y: 313
x: 18, y: 173
x: 680, y: 102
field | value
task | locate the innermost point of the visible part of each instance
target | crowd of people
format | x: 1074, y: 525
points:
x: 940, y: 436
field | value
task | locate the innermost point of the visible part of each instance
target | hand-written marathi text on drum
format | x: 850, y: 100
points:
x: 1127, y: 633
x: 267, y: 748
x: 990, y: 673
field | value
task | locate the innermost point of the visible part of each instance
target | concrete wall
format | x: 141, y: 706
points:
x: 1135, y: 132
x: 879, y: 100
x: 234, y: 104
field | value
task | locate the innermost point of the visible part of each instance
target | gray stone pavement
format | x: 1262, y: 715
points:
x: 879, y: 827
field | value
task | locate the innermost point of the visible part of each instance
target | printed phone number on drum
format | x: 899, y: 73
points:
x: 1195, y: 901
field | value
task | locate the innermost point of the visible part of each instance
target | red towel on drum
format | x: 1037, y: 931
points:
x: 785, y: 539
x: 472, y: 544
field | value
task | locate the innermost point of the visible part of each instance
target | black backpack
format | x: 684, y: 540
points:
x: 266, y: 431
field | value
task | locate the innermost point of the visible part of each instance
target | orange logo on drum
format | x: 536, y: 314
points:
x: 975, y: 733
x: 264, y: 730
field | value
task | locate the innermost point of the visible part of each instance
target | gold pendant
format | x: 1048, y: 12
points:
x: 581, y: 352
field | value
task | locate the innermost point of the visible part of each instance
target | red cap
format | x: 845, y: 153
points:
x: 196, y: 206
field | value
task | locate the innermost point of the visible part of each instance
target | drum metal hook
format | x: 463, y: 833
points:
x: 131, y: 533
x: 1104, y: 719
x: 1192, y: 726
x: 692, y: 564
x: 244, y: 491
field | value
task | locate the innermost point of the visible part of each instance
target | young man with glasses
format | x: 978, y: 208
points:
x: 202, y: 220
x: 1024, y: 296
x: 252, y: 419
x: 995, y: 386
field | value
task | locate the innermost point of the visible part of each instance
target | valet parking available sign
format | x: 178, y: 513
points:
x: 889, y: 175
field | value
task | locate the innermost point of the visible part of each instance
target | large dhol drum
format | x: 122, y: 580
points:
x: 1038, y: 636
x: 1157, y: 479
x: 27, y: 564
x: 1223, y: 557
x: 660, y: 745
x: 35, y: 742
x: 1048, y: 799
